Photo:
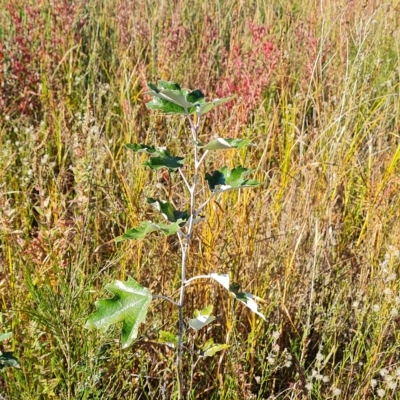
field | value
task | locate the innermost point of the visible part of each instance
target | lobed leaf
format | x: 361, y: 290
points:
x: 160, y: 157
x: 168, y: 210
x: 202, y: 318
x: 142, y: 148
x: 195, y: 97
x: 205, y: 311
x: 202, y: 109
x: 165, y: 106
x: 170, y: 98
x: 210, y: 348
x: 165, y: 161
x: 7, y: 360
x: 129, y: 306
x: 173, y: 96
x: 145, y: 228
x: 246, y: 298
x: 223, y: 144
x: 224, y: 179
x: 168, y: 85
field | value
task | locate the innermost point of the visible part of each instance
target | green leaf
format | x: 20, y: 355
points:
x: 153, y: 87
x: 169, y: 98
x: 210, y: 348
x: 160, y: 157
x: 202, y: 109
x: 168, y: 85
x: 171, y: 163
x: 164, y: 160
x: 129, y: 306
x: 246, y: 298
x: 5, y: 336
x: 223, y: 144
x: 168, y: 210
x: 205, y: 311
x: 202, y: 318
x: 196, y: 96
x: 224, y: 179
x: 142, y: 148
x: 145, y: 228
x: 165, y: 106
x: 173, y: 96
x: 168, y: 338
x: 7, y: 360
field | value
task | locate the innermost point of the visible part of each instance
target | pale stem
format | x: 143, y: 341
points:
x: 198, y: 211
x: 197, y: 277
x: 203, y: 157
x: 184, y: 179
x: 160, y: 296
x: 185, y: 250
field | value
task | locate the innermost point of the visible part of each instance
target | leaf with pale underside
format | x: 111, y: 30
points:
x: 145, y: 228
x: 164, y: 85
x: 224, y: 179
x: 210, y: 348
x: 7, y: 360
x: 202, y: 109
x: 168, y: 210
x: 246, y: 298
x: 224, y: 144
x: 159, y: 157
x: 195, y: 97
x: 165, y: 107
x: 170, y: 98
x: 176, y: 97
x: 165, y: 160
x: 142, y: 148
x: 129, y: 306
x: 201, y: 318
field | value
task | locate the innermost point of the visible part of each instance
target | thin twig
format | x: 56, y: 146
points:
x: 184, y: 179
x: 160, y: 296
x: 186, y: 283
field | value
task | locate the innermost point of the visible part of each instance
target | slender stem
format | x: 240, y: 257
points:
x: 184, y: 179
x: 197, y: 277
x: 192, y: 370
x: 184, y: 241
x: 198, y: 211
x: 203, y: 157
x: 160, y: 296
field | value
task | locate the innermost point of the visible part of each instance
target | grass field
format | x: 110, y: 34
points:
x: 317, y: 85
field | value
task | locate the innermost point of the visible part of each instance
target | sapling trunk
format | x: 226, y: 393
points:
x: 130, y: 303
x: 184, y: 240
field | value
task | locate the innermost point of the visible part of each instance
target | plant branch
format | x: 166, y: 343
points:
x: 184, y: 179
x: 160, y: 296
x: 198, y: 211
x: 195, y: 278
x: 203, y: 157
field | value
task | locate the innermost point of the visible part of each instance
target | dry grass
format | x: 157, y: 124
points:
x: 318, y: 93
